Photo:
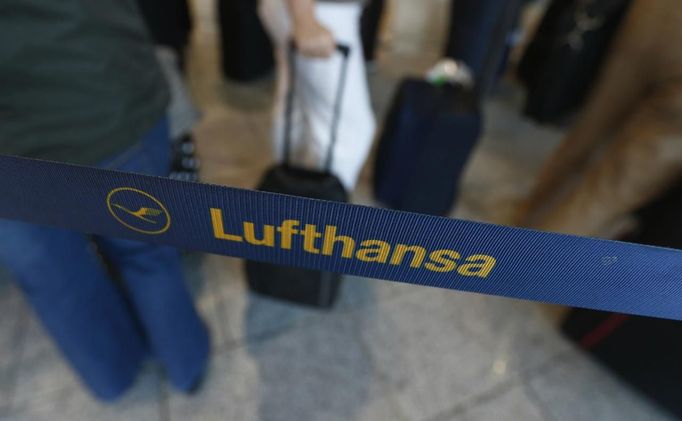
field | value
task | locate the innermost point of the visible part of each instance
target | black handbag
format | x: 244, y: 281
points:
x: 572, y: 39
x: 301, y: 286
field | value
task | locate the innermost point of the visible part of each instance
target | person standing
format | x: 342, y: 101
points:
x: 80, y: 83
x: 316, y: 27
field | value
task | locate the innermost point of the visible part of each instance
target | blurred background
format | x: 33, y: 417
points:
x: 385, y: 351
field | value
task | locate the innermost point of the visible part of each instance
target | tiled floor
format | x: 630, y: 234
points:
x: 388, y: 351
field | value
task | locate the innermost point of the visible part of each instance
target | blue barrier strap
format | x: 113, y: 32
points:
x: 358, y: 240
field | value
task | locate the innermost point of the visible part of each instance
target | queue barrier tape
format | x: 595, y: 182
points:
x: 345, y: 238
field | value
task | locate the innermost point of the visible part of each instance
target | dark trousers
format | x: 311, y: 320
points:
x: 478, y: 35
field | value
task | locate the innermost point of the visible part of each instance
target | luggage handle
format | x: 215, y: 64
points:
x: 344, y: 50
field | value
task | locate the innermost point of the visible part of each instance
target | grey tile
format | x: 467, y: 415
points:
x: 511, y: 404
x: 579, y: 389
x: 42, y: 372
x: 208, y: 291
x: 228, y: 392
x: 7, y: 386
x: 430, y: 363
x: 12, y: 303
x: 521, y: 335
x: 318, y: 371
x: 359, y: 292
x: 250, y: 316
x: 10, y: 340
x: 141, y: 403
x: 242, y: 315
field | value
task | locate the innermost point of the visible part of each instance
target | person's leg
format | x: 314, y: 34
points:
x: 369, y: 27
x: 317, y: 81
x: 479, y: 36
x: 64, y: 281
x: 153, y: 277
x: 472, y: 25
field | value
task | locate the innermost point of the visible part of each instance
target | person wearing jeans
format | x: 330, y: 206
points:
x: 81, y: 84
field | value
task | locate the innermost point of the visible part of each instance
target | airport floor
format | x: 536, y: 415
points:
x: 388, y: 351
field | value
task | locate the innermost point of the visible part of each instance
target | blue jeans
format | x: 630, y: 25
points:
x: 106, y: 329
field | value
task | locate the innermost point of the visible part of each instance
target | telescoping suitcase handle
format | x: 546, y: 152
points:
x: 344, y: 50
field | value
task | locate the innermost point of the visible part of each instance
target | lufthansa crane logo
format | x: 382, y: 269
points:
x: 138, y: 211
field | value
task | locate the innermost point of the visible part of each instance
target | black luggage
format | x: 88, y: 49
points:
x: 572, y: 39
x: 428, y: 136
x: 431, y: 129
x: 643, y: 351
x: 301, y: 286
x: 246, y: 50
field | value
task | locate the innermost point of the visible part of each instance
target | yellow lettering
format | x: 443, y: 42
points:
x: 477, y: 265
x: 219, y: 230
x: 268, y: 235
x: 443, y: 261
x: 310, y: 235
x: 287, y: 231
x: 373, y: 251
x: 330, y: 239
x: 419, y: 253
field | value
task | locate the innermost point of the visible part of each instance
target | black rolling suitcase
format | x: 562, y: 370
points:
x: 573, y: 39
x: 428, y: 136
x: 246, y: 50
x: 301, y: 286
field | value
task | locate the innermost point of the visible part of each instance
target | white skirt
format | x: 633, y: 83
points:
x: 316, y: 86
